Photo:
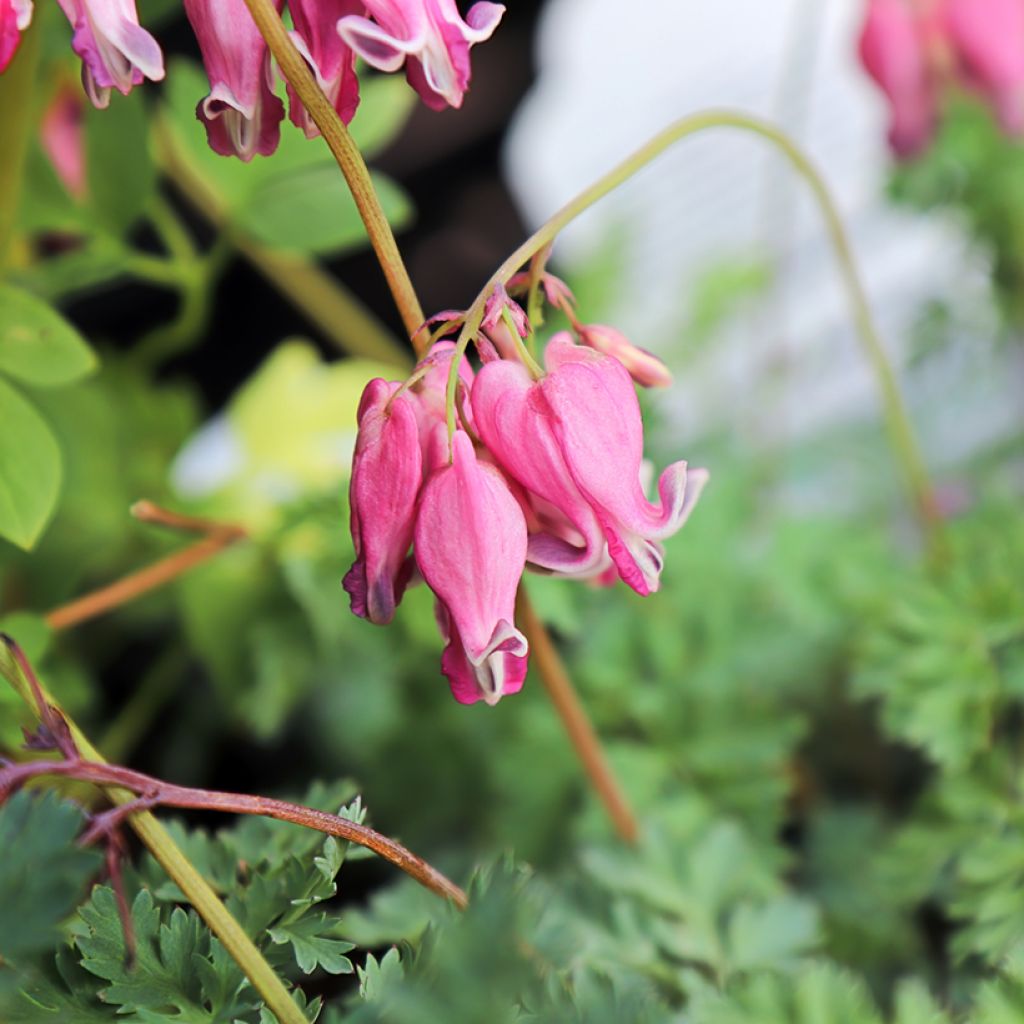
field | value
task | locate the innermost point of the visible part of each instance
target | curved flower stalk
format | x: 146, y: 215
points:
x: 543, y: 472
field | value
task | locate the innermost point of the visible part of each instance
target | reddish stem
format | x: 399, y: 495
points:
x: 159, y: 793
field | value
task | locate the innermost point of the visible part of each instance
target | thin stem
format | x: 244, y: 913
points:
x: 156, y: 792
x: 335, y: 311
x: 350, y: 160
x: 574, y: 717
x: 901, y: 435
x: 17, y: 117
x: 170, y: 857
x: 128, y: 588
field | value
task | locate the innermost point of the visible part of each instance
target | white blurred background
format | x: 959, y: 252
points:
x: 613, y: 74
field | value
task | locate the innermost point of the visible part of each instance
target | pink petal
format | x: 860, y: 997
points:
x: 515, y: 424
x: 470, y: 544
x: 386, y: 476
x: 893, y: 52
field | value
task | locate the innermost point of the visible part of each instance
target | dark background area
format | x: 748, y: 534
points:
x: 465, y: 224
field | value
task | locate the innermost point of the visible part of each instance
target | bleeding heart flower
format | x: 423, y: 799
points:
x: 470, y: 544
x: 386, y: 476
x: 428, y: 36
x: 241, y: 113
x: 988, y: 38
x: 575, y: 438
x: 116, y: 52
x: 644, y: 367
x: 332, y: 61
x: 892, y: 49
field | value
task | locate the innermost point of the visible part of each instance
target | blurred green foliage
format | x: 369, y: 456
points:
x: 822, y: 735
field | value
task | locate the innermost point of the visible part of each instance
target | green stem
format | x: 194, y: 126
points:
x: 331, y: 307
x: 350, y: 160
x: 17, y: 119
x: 901, y: 435
x: 170, y: 857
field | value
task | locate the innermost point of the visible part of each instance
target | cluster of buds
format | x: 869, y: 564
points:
x: 242, y: 114
x: 917, y: 49
x: 542, y: 471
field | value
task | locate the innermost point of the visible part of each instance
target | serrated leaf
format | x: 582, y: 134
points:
x: 30, y: 469
x: 43, y: 872
x: 37, y: 345
x: 163, y: 978
x: 376, y: 976
x: 314, y: 946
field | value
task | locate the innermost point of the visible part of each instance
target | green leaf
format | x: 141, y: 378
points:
x: 312, y: 939
x: 376, y: 976
x: 385, y: 103
x: 122, y: 178
x: 177, y: 972
x: 30, y: 631
x: 30, y: 470
x: 311, y: 210
x: 37, y: 345
x: 43, y: 873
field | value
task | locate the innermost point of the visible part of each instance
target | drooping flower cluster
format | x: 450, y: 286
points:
x: 543, y: 471
x: 242, y: 114
x: 917, y: 49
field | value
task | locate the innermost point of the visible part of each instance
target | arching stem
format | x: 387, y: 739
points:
x: 352, y: 165
x: 901, y: 434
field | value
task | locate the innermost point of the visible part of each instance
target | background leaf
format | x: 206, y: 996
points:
x: 37, y: 345
x: 30, y: 469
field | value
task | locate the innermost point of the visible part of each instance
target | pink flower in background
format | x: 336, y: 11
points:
x: 62, y: 136
x: 15, y: 16
x: 646, y: 369
x: 332, y: 60
x: 386, y: 474
x: 471, y: 549
x: 988, y: 39
x: 241, y: 113
x: 429, y: 37
x: 893, y: 50
x: 116, y: 52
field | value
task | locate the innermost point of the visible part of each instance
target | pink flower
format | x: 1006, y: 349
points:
x: 386, y: 476
x: 333, y: 62
x: 892, y: 49
x: 471, y: 549
x: 15, y: 16
x: 116, y: 52
x: 428, y: 36
x: 516, y: 424
x: 63, y: 138
x: 575, y: 439
x: 646, y: 369
x: 241, y: 113
x: 988, y: 36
